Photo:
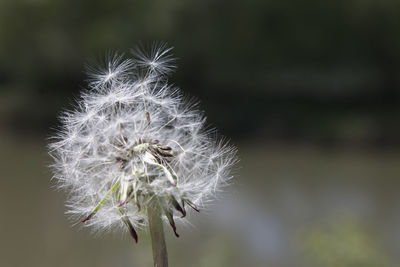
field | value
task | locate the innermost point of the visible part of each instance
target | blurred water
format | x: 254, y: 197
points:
x: 280, y: 195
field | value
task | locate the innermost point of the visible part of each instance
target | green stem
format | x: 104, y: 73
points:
x: 160, y: 255
x: 101, y: 203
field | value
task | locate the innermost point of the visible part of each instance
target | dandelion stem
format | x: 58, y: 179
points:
x: 160, y: 255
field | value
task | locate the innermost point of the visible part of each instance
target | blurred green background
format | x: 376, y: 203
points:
x: 308, y: 90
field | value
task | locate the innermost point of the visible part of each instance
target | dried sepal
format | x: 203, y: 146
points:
x: 178, y: 207
x: 169, y: 214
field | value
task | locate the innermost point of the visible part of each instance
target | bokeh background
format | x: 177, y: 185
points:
x: 308, y: 90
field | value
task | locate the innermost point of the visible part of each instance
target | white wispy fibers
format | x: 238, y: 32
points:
x: 134, y: 141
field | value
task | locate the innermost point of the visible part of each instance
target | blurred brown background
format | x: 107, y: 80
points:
x: 308, y: 90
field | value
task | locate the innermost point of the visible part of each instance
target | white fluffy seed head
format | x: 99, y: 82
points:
x: 134, y: 140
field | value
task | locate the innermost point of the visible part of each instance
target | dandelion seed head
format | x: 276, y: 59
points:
x: 134, y: 140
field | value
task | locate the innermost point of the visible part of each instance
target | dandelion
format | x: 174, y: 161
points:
x: 135, y: 152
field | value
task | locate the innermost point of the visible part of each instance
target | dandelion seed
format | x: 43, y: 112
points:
x: 133, y: 145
